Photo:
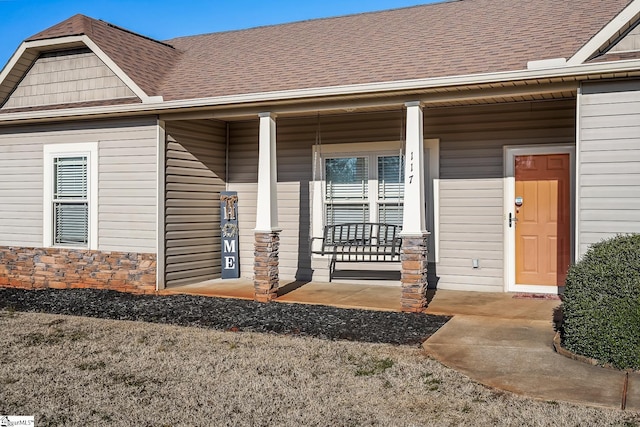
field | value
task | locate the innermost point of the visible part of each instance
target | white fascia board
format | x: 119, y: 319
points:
x: 12, y: 62
x: 609, y: 31
x: 358, y: 89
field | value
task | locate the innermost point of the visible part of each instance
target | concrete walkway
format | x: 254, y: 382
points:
x: 497, y: 339
x: 507, y: 344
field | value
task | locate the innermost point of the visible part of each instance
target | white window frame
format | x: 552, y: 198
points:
x: 370, y: 150
x: 374, y: 150
x: 51, y: 151
x: 346, y: 202
x: 373, y: 199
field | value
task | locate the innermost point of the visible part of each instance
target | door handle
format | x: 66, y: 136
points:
x: 512, y: 220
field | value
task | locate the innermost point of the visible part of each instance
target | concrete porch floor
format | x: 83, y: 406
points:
x: 380, y: 297
x: 369, y: 297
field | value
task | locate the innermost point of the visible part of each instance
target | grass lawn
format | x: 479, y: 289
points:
x: 75, y: 371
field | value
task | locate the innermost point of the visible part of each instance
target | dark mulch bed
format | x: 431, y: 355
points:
x: 229, y: 314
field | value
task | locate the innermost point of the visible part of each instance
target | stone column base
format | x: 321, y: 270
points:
x: 265, y: 266
x: 414, y: 274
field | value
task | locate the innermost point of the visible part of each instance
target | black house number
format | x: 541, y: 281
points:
x: 411, y: 165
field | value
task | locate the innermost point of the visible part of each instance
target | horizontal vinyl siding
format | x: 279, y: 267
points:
x: 472, y: 141
x: 243, y: 178
x: 126, y: 186
x: 295, y: 139
x: 609, y: 170
x: 471, y: 180
x: 195, y: 168
x: 20, y: 190
x: 127, y: 189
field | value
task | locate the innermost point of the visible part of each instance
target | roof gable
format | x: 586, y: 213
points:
x: 139, y: 62
x: 144, y: 60
x: 611, y: 34
x: 64, y: 77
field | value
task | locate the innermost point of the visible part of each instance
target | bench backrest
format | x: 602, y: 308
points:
x: 362, y: 234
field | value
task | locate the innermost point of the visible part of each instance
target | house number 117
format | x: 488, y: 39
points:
x: 411, y: 166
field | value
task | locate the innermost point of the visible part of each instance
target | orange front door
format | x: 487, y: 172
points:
x: 543, y: 221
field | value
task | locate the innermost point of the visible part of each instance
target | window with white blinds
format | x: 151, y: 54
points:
x: 71, y: 195
x: 390, y: 189
x: 347, y: 190
x: 348, y: 181
x: 70, y: 202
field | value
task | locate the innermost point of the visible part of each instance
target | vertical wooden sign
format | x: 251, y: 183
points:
x: 229, y: 226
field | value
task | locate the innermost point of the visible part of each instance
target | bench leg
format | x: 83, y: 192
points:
x: 332, y: 268
x: 414, y: 273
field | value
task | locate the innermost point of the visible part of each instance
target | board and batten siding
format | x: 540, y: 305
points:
x: 195, y: 176
x: 65, y: 77
x: 471, y: 214
x: 609, y: 156
x: 127, y: 151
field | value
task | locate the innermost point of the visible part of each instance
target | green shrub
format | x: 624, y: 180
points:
x: 601, y: 304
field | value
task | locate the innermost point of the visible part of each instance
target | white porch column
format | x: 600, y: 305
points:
x: 267, y: 238
x: 413, y: 222
x: 267, y: 206
x: 414, y: 234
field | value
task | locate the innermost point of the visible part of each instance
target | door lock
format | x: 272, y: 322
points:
x: 512, y: 220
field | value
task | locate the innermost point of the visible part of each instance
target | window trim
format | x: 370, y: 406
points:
x: 50, y: 151
x: 367, y: 149
x: 432, y: 181
x: 372, y: 200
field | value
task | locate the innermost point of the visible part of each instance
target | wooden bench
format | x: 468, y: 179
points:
x: 360, y: 242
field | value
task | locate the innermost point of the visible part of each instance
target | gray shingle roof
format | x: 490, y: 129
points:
x: 435, y: 40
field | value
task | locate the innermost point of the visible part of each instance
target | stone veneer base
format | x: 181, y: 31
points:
x: 414, y: 274
x: 265, y: 266
x: 34, y: 268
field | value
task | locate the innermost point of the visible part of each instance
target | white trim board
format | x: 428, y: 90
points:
x: 510, y: 152
x: 161, y: 205
x: 610, y: 31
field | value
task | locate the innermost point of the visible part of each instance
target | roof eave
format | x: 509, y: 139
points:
x: 575, y: 73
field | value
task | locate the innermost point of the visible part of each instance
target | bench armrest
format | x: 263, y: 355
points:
x: 322, y: 251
